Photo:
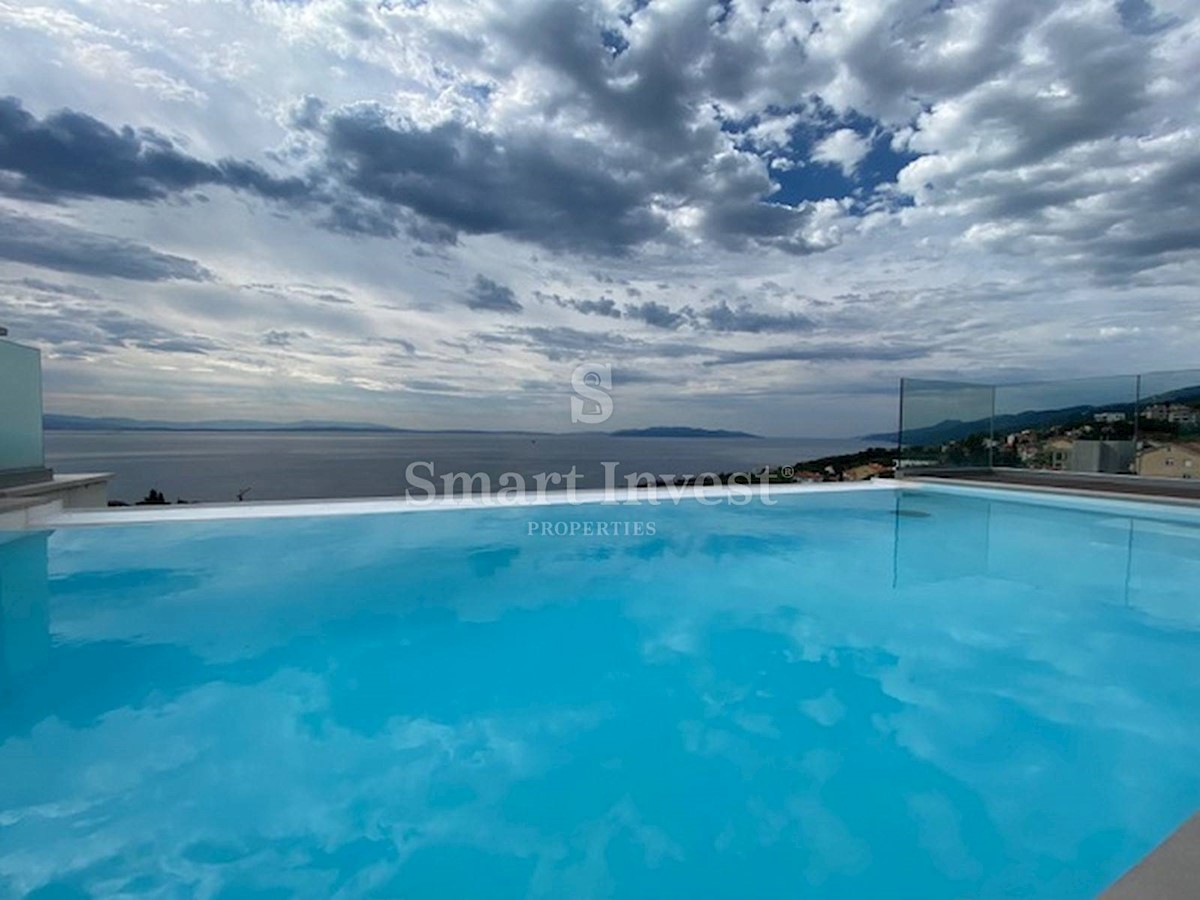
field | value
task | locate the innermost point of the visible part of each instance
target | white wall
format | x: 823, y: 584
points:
x: 20, y: 407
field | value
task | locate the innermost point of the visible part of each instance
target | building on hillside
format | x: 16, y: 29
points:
x: 807, y: 477
x: 1059, y: 451
x: 1171, y: 461
x: 1174, y: 413
x: 1156, y: 412
x: 1184, y: 416
x: 1109, y: 418
x: 865, y: 472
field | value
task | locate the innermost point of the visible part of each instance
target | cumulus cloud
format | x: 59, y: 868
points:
x: 71, y: 154
x: 844, y: 148
x: 1070, y: 153
x: 745, y: 318
x: 658, y: 315
x: 604, y: 307
x: 545, y: 188
x: 491, y: 296
x: 279, y: 338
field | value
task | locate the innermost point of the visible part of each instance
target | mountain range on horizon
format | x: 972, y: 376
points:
x: 61, y: 422
x: 956, y: 429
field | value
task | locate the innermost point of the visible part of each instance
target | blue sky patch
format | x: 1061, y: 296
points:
x: 806, y: 179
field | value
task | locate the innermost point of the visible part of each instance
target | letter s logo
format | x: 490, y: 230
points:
x: 592, y: 403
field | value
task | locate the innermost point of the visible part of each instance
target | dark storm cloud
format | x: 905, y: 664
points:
x: 69, y: 154
x: 492, y: 296
x: 381, y: 176
x: 605, y: 306
x: 51, y: 245
x: 744, y: 318
x: 544, y: 188
x: 281, y: 338
x: 1142, y: 18
x: 718, y: 317
x: 658, y: 315
x: 647, y: 90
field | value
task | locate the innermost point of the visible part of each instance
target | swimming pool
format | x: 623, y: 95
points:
x: 910, y: 693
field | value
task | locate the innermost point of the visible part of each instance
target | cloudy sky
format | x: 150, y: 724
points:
x: 761, y: 214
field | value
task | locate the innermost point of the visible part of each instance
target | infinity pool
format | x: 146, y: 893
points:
x: 917, y: 694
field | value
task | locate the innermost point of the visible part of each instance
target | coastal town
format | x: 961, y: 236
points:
x: 1162, y: 442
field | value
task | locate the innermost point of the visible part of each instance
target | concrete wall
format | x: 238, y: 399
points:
x: 1115, y: 457
x: 20, y: 408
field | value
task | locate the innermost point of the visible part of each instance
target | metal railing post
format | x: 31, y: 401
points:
x: 992, y: 432
x: 1137, y: 414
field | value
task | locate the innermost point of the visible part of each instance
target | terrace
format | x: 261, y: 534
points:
x: 1129, y: 434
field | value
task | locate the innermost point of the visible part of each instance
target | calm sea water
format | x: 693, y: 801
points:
x: 848, y: 695
x: 214, y: 466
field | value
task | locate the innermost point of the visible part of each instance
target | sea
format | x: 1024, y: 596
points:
x: 217, y: 466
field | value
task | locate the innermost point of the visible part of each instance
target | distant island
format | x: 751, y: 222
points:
x: 680, y: 431
x: 57, y: 422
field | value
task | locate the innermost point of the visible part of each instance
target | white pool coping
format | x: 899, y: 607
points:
x: 277, y: 509
x: 53, y: 516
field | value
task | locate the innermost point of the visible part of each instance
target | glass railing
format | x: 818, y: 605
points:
x: 1117, y: 425
x: 1168, y: 424
x: 20, y: 408
x: 945, y: 423
x: 1080, y: 425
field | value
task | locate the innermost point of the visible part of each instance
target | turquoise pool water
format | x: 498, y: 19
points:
x: 869, y: 694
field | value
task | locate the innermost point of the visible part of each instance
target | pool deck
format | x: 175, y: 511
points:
x: 1170, y: 872
x: 33, y: 516
x: 1099, y: 484
x: 200, y: 512
x: 22, y: 504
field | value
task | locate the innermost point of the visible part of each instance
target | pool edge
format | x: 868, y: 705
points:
x: 275, y: 509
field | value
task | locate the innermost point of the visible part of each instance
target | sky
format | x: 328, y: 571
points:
x: 760, y: 214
